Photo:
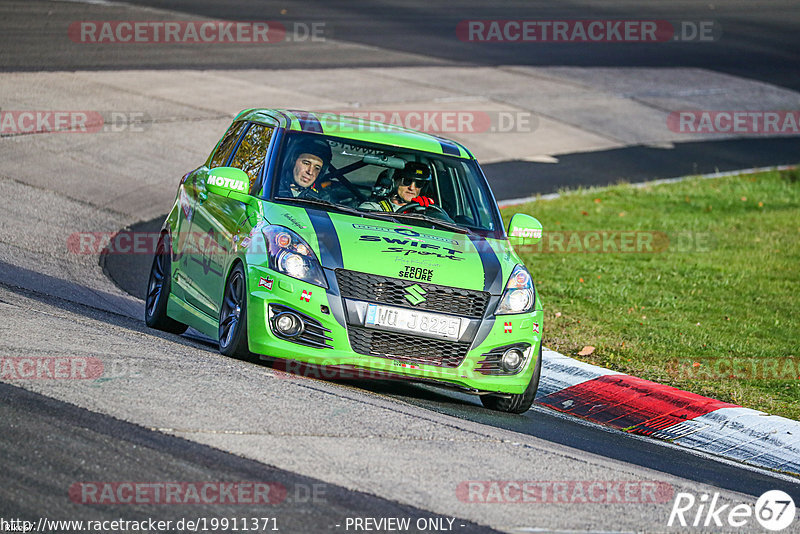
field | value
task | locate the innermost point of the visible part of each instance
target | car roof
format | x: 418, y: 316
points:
x: 357, y: 129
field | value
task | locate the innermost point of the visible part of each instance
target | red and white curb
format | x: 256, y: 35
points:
x: 638, y: 406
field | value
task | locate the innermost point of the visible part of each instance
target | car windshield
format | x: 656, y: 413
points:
x: 380, y: 181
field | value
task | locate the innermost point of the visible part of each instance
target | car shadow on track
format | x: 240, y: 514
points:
x: 91, y: 303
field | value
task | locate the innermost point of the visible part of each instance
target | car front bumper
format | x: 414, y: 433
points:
x: 331, y: 343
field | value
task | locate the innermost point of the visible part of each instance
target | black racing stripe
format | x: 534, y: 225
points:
x: 329, y: 247
x: 492, y: 270
x: 308, y: 122
x: 449, y: 148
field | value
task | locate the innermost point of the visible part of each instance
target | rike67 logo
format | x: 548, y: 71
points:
x: 774, y: 510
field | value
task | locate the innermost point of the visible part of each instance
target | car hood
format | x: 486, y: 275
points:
x: 415, y: 253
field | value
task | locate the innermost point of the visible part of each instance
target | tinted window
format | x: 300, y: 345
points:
x: 251, y: 152
x: 225, y: 147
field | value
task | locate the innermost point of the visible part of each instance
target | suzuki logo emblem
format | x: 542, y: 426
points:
x: 414, y: 294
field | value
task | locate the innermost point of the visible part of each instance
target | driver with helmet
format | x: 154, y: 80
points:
x: 307, y: 160
x: 406, y: 187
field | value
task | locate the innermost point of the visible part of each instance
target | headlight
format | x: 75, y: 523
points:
x: 290, y: 255
x: 519, y: 295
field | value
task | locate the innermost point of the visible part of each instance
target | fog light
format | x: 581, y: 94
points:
x: 512, y: 360
x: 288, y: 324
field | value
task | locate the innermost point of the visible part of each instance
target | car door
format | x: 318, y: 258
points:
x: 217, y: 219
x: 189, y: 245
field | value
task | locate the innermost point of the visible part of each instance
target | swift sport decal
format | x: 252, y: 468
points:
x: 407, y: 247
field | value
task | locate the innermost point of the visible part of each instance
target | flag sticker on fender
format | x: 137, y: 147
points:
x: 306, y: 296
x: 265, y: 282
x: 507, y: 328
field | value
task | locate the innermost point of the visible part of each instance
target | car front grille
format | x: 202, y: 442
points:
x: 392, y: 291
x: 408, y: 348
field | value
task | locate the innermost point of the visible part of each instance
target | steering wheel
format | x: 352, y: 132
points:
x: 438, y: 212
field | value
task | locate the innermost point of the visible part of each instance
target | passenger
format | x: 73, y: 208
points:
x: 407, y: 185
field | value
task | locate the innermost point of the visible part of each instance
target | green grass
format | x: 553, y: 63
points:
x: 719, y: 287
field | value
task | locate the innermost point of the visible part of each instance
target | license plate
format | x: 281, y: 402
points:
x: 404, y: 320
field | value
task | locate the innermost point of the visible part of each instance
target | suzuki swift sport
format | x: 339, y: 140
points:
x: 335, y: 241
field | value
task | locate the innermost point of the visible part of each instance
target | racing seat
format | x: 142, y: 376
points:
x: 383, y: 185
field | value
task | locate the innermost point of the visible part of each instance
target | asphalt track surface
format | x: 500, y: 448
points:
x: 40, y: 428
x: 48, y: 444
x: 761, y: 43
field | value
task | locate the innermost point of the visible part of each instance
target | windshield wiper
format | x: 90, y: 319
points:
x: 345, y: 209
x: 435, y: 222
x: 324, y: 203
x: 388, y: 216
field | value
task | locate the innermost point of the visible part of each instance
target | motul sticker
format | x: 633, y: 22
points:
x: 535, y: 233
x: 229, y: 183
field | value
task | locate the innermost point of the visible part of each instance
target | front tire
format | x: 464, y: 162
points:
x: 158, y: 288
x: 519, y: 402
x: 233, y: 316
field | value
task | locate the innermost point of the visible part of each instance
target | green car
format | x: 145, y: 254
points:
x: 335, y: 241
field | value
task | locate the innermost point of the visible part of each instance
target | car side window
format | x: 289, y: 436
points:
x: 252, y: 150
x: 225, y: 146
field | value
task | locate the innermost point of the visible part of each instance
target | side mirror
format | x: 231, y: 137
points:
x: 226, y: 180
x: 525, y: 229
